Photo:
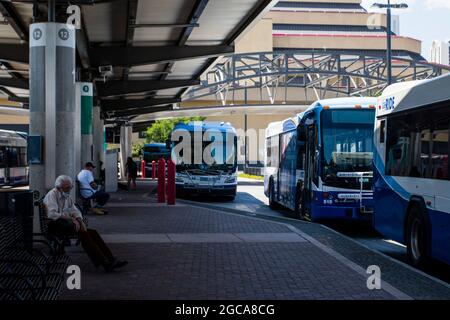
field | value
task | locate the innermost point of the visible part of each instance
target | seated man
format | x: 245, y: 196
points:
x: 89, y: 189
x: 66, y: 220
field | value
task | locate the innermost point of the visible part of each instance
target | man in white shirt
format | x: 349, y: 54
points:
x: 66, y: 220
x: 89, y: 189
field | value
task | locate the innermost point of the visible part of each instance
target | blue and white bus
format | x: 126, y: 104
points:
x: 412, y: 181
x: 319, y: 163
x: 205, y: 154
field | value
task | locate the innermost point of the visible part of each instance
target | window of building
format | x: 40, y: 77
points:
x: 142, y: 134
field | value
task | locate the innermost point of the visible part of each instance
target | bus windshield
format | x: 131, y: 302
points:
x: 221, y: 160
x: 347, y: 141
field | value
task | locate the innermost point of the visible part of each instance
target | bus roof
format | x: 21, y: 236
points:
x: 341, y: 103
x: 205, y: 125
x: 289, y: 124
x: 160, y: 145
x: 14, y: 138
x: 413, y: 94
x: 365, y: 102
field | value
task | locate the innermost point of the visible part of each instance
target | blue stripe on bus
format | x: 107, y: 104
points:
x: 390, y: 181
x: 390, y: 215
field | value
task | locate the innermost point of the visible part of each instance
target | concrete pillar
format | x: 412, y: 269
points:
x: 77, y: 128
x: 52, y: 101
x: 86, y: 101
x: 98, y: 139
x: 125, y: 147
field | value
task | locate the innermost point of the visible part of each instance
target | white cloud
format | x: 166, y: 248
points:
x: 435, y: 4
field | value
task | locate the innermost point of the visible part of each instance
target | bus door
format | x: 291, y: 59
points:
x: 287, y: 171
x: 309, y: 165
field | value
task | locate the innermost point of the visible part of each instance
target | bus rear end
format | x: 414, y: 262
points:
x: 154, y: 152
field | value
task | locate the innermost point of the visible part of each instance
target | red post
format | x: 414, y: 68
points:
x: 161, y: 180
x: 143, y: 168
x: 153, y: 169
x: 171, y: 190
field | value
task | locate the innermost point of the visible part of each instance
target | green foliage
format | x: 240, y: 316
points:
x: 161, y: 129
x: 137, y: 149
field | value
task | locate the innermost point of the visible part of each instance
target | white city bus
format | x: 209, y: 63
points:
x: 412, y: 180
x: 319, y: 163
x: 13, y: 158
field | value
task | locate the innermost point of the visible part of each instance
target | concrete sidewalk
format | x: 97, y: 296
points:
x: 189, y: 252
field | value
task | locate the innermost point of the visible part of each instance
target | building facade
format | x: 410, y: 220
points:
x: 322, y: 26
x: 440, y: 52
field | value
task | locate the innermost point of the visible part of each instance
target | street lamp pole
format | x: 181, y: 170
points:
x: 389, y: 6
x: 389, y: 44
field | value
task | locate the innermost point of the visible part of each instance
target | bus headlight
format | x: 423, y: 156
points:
x: 230, y: 179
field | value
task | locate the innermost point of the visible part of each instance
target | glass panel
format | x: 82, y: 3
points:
x: 347, y: 141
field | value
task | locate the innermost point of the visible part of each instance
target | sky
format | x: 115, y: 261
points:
x: 425, y: 20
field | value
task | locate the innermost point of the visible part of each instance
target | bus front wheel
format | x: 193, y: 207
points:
x: 416, y: 238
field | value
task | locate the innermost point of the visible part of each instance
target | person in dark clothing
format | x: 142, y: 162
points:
x: 66, y: 220
x: 131, y: 171
x: 102, y: 172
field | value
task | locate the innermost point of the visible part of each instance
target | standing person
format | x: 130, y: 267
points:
x: 131, y: 170
x: 102, y: 172
x: 66, y: 220
x: 89, y: 189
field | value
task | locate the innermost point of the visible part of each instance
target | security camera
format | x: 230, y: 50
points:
x: 106, y: 70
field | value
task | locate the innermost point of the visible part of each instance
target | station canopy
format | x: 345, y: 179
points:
x: 142, y: 55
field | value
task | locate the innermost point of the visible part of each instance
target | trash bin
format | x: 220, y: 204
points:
x: 19, y: 204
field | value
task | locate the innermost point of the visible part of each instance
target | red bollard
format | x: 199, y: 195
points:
x: 161, y: 180
x: 171, y: 190
x: 143, y: 169
x: 153, y: 169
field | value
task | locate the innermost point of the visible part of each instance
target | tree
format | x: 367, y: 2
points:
x: 161, y: 129
x: 137, y: 149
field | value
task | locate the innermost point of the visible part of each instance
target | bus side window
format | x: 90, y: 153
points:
x: 382, y: 131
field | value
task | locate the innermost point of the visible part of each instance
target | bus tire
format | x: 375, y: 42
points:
x: 416, y: 238
x: 272, y: 204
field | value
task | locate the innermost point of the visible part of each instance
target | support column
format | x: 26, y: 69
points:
x: 98, y: 139
x: 125, y: 147
x: 52, y: 101
x: 86, y: 101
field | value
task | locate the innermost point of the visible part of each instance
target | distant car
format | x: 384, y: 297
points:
x: 154, y: 152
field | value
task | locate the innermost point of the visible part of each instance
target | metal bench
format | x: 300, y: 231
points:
x: 57, y: 244
x: 29, y: 267
x: 85, y: 203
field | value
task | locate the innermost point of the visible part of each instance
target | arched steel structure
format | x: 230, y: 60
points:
x: 276, y: 73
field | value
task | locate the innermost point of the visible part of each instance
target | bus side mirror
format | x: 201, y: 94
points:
x: 168, y: 144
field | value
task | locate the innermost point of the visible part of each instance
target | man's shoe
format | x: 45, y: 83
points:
x: 115, y: 264
x: 97, y: 211
x: 104, y: 210
x: 120, y: 264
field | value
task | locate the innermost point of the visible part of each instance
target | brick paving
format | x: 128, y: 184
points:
x: 179, y: 268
